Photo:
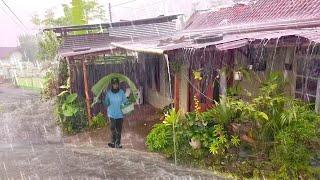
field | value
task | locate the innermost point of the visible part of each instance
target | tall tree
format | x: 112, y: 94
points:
x: 28, y: 47
x: 77, y: 15
x: 48, y: 46
x: 91, y: 9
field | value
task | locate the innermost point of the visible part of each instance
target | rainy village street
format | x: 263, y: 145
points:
x: 32, y: 147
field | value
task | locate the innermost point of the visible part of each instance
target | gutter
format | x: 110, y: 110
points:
x: 139, y: 49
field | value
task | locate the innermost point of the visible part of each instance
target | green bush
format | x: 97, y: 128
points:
x: 55, y: 78
x: 284, y: 135
x: 98, y: 121
x: 49, y: 86
x: 296, y: 146
x: 70, y: 110
x: 160, y: 138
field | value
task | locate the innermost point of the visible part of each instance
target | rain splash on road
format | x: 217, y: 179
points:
x: 32, y: 147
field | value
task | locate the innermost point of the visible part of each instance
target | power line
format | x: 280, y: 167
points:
x: 14, y: 14
x: 13, y: 19
x: 124, y: 3
x: 147, y: 5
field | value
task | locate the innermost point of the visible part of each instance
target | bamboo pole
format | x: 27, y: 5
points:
x: 86, y: 88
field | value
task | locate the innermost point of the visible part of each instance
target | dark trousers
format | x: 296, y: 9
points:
x: 116, y: 128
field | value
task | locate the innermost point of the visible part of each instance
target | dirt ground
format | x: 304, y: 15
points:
x: 33, y: 147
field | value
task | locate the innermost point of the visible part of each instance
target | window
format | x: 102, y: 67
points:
x: 308, y: 73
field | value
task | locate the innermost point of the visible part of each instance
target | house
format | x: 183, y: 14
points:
x: 90, y: 55
x: 9, y: 58
x: 262, y: 37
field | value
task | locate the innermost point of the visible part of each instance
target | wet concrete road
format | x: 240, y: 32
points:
x: 32, y: 147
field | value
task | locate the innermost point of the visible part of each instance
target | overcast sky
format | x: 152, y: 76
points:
x: 24, y: 9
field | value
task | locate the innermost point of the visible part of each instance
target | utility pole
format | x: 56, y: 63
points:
x: 110, y: 13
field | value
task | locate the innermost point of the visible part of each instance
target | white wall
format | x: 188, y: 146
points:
x: 158, y: 99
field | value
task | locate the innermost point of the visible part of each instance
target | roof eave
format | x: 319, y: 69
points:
x: 139, y: 49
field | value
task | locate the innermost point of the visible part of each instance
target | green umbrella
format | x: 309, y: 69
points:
x: 103, y: 83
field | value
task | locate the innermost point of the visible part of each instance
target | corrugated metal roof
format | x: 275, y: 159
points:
x: 261, y: 11
x: 229, y: 41
x: 159, y: 19
x: 241, y: 24
x: 72, y: 45
x: 118, y: 32
x: 147, y: 30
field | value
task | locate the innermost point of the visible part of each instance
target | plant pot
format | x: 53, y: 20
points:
x: 195, y: 143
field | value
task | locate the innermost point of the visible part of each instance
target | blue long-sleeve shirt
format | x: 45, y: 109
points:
x: 114, y: 101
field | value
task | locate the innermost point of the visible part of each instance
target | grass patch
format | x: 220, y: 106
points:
x: 32, y: 83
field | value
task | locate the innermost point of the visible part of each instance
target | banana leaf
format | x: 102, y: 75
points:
x: 103, y: 83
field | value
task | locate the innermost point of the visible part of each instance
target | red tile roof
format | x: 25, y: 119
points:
x: 6, y: 51
x: 261, y: 11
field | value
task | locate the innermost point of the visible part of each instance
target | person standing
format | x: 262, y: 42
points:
x: 115, y: 97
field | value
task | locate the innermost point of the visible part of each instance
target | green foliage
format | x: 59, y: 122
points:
x: 54, y: 79
x: 198, y: 127
x: 91, y: 10
x: 163, y: 137
x: 48, y: 46
x: 49, y: 86
x: 223, y: 113
x: 222, y: 141
x: 32, y: 83
x: 77, y: 13
x: 29, y: 47
x: 160, y: 138
x: 70, y: 112
x: 284, y: 129
x: 296, y: 146
x: 98, y: 121
x: 284, y: 133
x: 69, y: 108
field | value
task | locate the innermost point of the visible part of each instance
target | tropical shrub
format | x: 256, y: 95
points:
x: 296, y: 145
x: 160, y: 138
x: 71, y: 113
x: 285, y: 131
x: 268, y: 136
x: 222, y: 142
x: 55, y: 77
x: 163, y: 137
x: 49, y: 86
x: 98, y: 121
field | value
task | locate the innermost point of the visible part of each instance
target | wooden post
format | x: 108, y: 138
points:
x: 318, y: 98
x: 71, y: 73
x: 86, y: 88
x: 177, y: 81
x: 223, y: 85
